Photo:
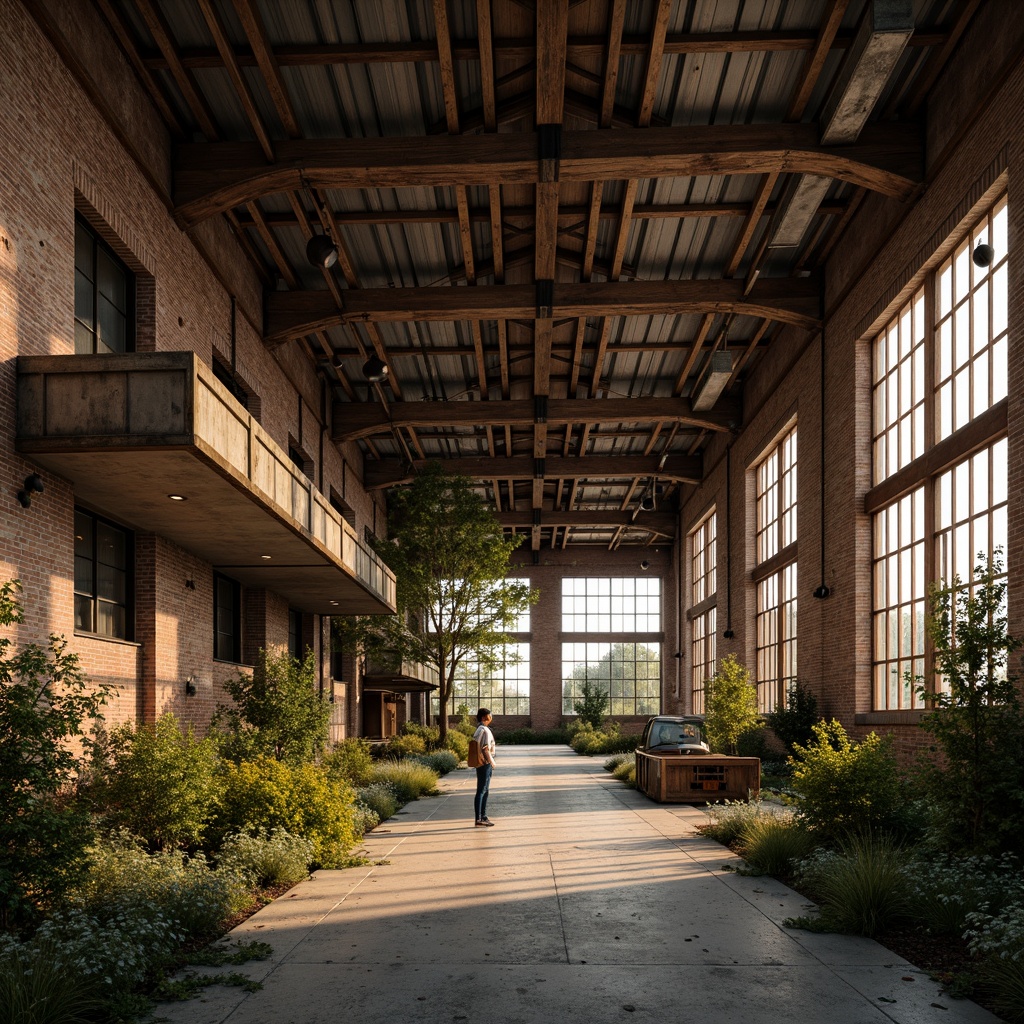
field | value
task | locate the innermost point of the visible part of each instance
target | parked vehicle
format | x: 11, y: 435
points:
x: 671, y: 734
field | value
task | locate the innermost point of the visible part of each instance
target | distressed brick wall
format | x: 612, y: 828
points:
x: 101, y: 149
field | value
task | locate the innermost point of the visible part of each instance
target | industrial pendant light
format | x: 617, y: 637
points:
x: 321, y: 252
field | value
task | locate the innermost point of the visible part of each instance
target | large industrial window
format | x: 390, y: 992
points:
x: 939, y: 457
x: 703, y: 607
x: 775, y: 572
x: 626, y: 661
x: 505, y: 689
x: 103, y: 576
x: 104, y: 296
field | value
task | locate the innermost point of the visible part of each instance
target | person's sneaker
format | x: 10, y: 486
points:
x: 487, y: 822
x: 481, y: 824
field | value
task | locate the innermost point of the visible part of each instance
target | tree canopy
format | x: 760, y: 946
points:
x: 450, y: 560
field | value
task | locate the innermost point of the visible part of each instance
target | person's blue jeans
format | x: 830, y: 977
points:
x: 483, y: 785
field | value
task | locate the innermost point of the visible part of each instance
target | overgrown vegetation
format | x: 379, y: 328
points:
x: 584, y: 739
x: 845, y: 787
x: 192, y: 832
x: 46, y: 706
x: 278, y: 710
x: 591, y: 704
x: 730, y: 702
x: 794, y: 722
x: 976, y: 788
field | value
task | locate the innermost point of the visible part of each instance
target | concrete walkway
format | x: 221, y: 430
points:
x: 586, y: 902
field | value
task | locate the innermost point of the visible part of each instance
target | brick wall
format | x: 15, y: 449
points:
x: 89, y: 140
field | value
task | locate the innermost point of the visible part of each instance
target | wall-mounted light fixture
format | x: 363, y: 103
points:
x: 33, y: 485
x: 190, y: 686
x: 375, y: 369
x: 645, y: 565
x: 983, y: 255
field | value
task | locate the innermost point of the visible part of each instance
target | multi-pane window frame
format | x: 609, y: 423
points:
x: 594, y: 616
x: 774, y: 575
x: 955, y: 483
x: 702, y: 613
x: 508, y: 671
x: 227, y: 619
x: 478, y: 687
x: 88, y: 285
x: 89, y: 590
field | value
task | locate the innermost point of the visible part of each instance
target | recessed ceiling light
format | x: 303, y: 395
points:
x: 334, y: 602
x: 177, y: 497
x: 265, y: 557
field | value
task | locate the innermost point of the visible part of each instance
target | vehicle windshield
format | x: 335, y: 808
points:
x: 675, y: 734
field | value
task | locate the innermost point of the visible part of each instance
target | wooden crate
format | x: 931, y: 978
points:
x: 696, y: 778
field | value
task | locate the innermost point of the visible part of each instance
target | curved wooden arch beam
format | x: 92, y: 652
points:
x: 355, y: 420
x: 795, y: 301
x: 210, y: 178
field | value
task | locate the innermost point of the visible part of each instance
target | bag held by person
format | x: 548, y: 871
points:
x: 474, y: 758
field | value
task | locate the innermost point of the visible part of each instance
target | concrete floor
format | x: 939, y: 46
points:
x: 586, y: 902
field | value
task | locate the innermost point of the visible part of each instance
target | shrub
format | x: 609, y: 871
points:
x: 725, y: 822
x: 626, y: 772
x: 125, y: 882
x: 379, y: 797
x: 847, y: 787
x: 588, y: 742
x: 36, y: 987
x: 275, y: 858
x: 440, y: 761
x: 592, y: 704
x: 349, y: 761
x: 430, y: 734
x: 302, y: 799
x: 45, y: 705
x: 864, y: 888
x: 465, y: 725
x: 730, y: 702
x: 773, y: 843
x: 977, y: 721
x: 754, y: 743
x: 406, y: 746
x: 278, y: 710
x: 948, y: 890
x: 366, y: 820
x: 458, y: 744
x: 158, y: 783
x: 999, y: 941
x: 794, y: 722
x: 615, y: 760
x: 409, y: 779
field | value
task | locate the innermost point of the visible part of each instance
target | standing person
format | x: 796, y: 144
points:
x: 485, y: 738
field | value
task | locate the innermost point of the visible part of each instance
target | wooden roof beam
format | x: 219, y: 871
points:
x: 354, y: 421
x: 213, y: 177
x: 293, y: 314
x: 685, y: 469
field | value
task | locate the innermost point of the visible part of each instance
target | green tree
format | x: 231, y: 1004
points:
x: 592, y: 703
x: 977, y: 719
x: 46, y: 703
x: 794, y: 722
x: 278, y: 710
x: 730, y: 706
x: 450, y: 560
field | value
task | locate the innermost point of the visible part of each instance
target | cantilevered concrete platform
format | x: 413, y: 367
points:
x: 585, y: 903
